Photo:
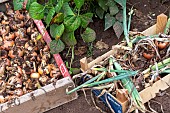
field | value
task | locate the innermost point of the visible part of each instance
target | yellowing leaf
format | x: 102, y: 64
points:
x: 50, y: 16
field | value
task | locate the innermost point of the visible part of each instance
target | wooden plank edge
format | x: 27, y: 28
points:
x: 85, y: 65
x: 1, y: 1
x: 151, y: 91
x: 150, y: 31
x: 46, y: 90
x: 161, y: 23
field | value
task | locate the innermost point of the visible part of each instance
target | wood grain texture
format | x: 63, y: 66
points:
x: 1, y: 1
x: 161, y: 23
x: 43, y: 99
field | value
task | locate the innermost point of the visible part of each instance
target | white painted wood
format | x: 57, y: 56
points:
x: 44, y: 99
x: 1, y: 1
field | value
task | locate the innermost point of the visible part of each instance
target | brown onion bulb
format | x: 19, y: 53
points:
x: 148, y: 55
x: 161, y: 45
x: 18, y: 92
x: 2, y: 99
x: 7, y: 44
x: 16, y: 51
x: 2, y: 86
x: 35, y: 75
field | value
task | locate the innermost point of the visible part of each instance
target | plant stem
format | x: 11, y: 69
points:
x: 125, y: 27
x: 130, y: 18
x: 82, y: 85
x: 118, y: 77
x: 167, y: 28
x: 68, y: 52
x: 72, y: 55
x: 78, y: 12
x: 160, y: 65
x: 90, y: 49
x: 142, y: 37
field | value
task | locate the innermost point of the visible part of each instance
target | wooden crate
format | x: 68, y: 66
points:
x: 41, y: 100
x: 1, y: 1
x: 47, y: 97
x: 149, y: 92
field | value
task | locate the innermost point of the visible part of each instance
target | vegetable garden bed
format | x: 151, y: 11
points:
x: 118, y: 52
x: 72, y: 18
x: 30, y: 78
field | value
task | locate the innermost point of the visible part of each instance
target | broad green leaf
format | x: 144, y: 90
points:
x: 112, y: 7
x: 121, y: 2
x: 119, y: 16
x: 100, y: 12
x: 67, y: 9
x: 18, y: 4
x: 102, y: 4
x: 110, y: 3
x: 72, y: 22
x: 29, y: 2
x: 113, y: 10
x: 109, y: 21
x: 118, y: 28
x: 86, y: 19
x: 52, y: 30
x: 69, y: 38
x: 56, y: 31
x: 66, y: 0
x: 79, y: 3
x: 89, y: 35
x: 59, y: 6
x: 36, y: 11
x: 58, y: 18
x: 50, y: 16
x: 56, y: 46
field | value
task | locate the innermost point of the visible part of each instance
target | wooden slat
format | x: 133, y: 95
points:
x: 1, y: 1
x: 150, y: 31
x: 161, y: 23
x: 48, y: 97
x: 100, y: 58
x: 150, y: 92
x: 84, y: 64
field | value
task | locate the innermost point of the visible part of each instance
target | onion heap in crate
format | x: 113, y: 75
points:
x: 25, y: 60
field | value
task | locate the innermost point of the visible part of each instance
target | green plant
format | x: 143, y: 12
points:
x: 90, y: 49
x: 110, y: 11
x: 93, y: 81
x: 64, y: 17
x: 64, y: 23
x: 115, y: 16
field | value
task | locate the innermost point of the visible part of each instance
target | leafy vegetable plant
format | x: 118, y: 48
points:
x: 62, y: 19
x: 114, y: 13
x: 111, y: 12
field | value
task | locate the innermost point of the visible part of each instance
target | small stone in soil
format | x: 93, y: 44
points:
x: 101, y: 45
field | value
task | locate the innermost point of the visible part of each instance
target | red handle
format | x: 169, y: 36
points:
x: 47, y: 39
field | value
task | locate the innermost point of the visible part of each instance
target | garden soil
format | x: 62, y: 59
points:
x: 146, y: 12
